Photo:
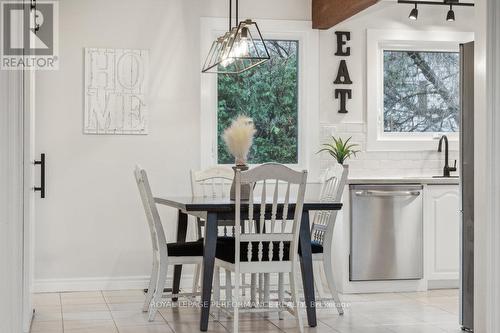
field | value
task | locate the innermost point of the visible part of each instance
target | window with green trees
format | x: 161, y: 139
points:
x: 269, y: 95
x: 421, y: 91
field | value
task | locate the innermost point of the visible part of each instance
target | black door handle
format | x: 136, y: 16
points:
x: 41, y: 189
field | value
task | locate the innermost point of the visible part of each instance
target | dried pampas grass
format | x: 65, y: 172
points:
x: 239, y: 138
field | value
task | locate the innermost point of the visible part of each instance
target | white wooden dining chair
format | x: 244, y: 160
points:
x: 265, y: 243
x: 214, y: 182
x: 163, y: 254
x: 332, y: 187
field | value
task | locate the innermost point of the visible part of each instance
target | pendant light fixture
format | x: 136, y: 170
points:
x: 238, y: 50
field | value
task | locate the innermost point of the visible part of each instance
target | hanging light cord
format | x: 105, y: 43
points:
x: 237, y: 9
x: 230, y: 13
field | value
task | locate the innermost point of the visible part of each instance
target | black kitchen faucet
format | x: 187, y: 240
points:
x: 447, y: 168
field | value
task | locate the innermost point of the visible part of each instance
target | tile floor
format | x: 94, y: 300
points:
x: 120, y: 312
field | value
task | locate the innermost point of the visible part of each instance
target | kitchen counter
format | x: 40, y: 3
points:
x: 406, y: 180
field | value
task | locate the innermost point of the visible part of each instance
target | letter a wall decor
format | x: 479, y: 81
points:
x: 116, y: 86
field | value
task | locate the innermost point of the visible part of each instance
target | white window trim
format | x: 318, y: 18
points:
x: 377, y: 42
x: 308, y: 90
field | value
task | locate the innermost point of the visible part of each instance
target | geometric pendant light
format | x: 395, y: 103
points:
x: 238, y: 50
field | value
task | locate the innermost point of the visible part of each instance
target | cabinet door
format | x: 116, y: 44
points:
x: 442, y: 221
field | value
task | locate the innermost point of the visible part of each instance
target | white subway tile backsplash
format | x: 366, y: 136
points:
x: 383, y: 163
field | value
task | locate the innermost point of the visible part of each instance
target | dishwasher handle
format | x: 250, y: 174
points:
x: 374, y: 193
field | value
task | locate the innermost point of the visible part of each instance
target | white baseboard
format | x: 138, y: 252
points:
x: 101, y: 283
x: 443, y: 284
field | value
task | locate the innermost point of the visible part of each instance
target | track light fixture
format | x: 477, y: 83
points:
x: 450, y: 17
x: 414, y: 13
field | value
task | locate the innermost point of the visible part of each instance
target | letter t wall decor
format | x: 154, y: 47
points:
x: 343, y: 77
x: 116, y: 85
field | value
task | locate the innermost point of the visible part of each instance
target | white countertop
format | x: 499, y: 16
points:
x: 405, y: 180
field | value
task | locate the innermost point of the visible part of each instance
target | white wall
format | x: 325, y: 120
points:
x: 90, y: 230
x: 91, y: 226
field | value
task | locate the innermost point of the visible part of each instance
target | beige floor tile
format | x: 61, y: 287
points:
x: 89, y: 312
x: 419, y: 328
x: 450, y: 327
x: 348, y: 320
x: 246, y: 316
x: 386, y: 307
x: 81, y: 294
x: 436, y: 299
x: 54, y: 326
x: 125, y: 306
x: 88, y: 297
x: 373, y: 329
x: 90, y: 325
x: 68, y: 308
x: 131, y: 292
x: 289, y: 325
x: 383, y: 297
x: 125, y: 299
x: 47, y: 308
x: 183, y: 315
x: 87, y: 315
x: 188, y: 327
x: 353, y: 298
x: 391, y: 318
x: 450, y: 308
x: 260, y: 325
x: 434, y: 315
x: 48, y: 316
x: 433, y: 293
x: 46, y: 299
x: 135, y: 318
x: 147, y: 329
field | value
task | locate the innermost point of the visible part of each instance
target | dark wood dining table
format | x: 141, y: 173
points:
x: 213, y: 210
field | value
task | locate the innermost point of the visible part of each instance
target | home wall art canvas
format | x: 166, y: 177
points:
x: 116, y: 86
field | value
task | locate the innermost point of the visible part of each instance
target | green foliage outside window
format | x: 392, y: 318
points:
x: 269, y: 95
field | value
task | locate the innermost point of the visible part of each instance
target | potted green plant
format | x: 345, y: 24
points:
x: 340, y: 150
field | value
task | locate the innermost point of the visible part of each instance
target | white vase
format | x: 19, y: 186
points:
x: 245, y: 188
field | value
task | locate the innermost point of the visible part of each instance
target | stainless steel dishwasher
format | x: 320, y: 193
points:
x: 386, y: 232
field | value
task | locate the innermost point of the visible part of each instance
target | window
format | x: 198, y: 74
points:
x: 281, y: 95
x: 421, y: 91
x: 269, y: 95
x: 413, y: 88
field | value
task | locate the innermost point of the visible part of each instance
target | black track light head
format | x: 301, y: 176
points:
x: 450, y: 17
x: 414, y: 13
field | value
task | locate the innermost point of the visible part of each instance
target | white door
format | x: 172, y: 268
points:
x: 16, y: 203
x: 17, y: 197
x: 29, y: 196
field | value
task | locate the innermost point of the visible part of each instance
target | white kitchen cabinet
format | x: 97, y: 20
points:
x: 442, y: 234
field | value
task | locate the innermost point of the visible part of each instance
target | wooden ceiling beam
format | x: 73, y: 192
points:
x: 327, y: 13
